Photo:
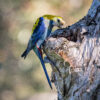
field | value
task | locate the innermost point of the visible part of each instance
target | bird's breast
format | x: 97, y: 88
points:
x: 46, y: 25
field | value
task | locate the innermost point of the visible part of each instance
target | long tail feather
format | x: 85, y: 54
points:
x: 44, y: 68
x: 24, y: 54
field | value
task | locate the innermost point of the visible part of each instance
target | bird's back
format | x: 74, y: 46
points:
x: 40, y: 30
x: 37, y: 25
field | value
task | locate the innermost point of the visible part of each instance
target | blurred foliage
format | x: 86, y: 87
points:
x: 19, y: 78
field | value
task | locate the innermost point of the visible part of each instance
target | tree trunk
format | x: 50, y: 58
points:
x: 74, y: 54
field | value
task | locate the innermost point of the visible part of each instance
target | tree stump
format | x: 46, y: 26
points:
x: 74, y: 54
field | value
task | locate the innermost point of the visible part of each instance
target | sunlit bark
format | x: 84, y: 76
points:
x: 74, y: 53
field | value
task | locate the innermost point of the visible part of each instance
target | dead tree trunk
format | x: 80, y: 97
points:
x: 74, y: 53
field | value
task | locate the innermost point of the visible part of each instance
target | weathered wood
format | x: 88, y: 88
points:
x: 74, y: 53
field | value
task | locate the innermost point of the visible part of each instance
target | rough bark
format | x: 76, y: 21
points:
x: 74, y: 54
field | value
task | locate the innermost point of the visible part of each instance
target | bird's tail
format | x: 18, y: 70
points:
x: 44, y: 68
x: 25, y: 53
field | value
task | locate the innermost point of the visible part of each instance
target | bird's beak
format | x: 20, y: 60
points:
x: 61, y: 24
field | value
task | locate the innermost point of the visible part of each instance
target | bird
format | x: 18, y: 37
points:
x: 40, y: 32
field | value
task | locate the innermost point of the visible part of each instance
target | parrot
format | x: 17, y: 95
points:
x: 40, y: 32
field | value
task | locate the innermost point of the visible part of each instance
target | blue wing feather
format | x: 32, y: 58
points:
x: 38, y: 32
x: 43, y: 65
x: 36, y: 35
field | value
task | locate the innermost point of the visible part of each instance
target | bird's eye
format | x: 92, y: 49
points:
x: 58, y: 20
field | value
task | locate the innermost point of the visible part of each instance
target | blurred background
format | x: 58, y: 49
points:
x: 24, y: 79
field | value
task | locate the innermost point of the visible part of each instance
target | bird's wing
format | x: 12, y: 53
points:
x: 38, y: 30
x: 38, y: 52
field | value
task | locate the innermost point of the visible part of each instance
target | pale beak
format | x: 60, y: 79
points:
x: 61, y: 24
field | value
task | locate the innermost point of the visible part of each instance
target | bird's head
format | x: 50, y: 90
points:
x: 57, y: 21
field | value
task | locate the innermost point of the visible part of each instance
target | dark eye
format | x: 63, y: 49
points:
x: 58, y: 20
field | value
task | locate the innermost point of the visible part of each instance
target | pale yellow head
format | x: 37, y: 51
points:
x: 57, y: 21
